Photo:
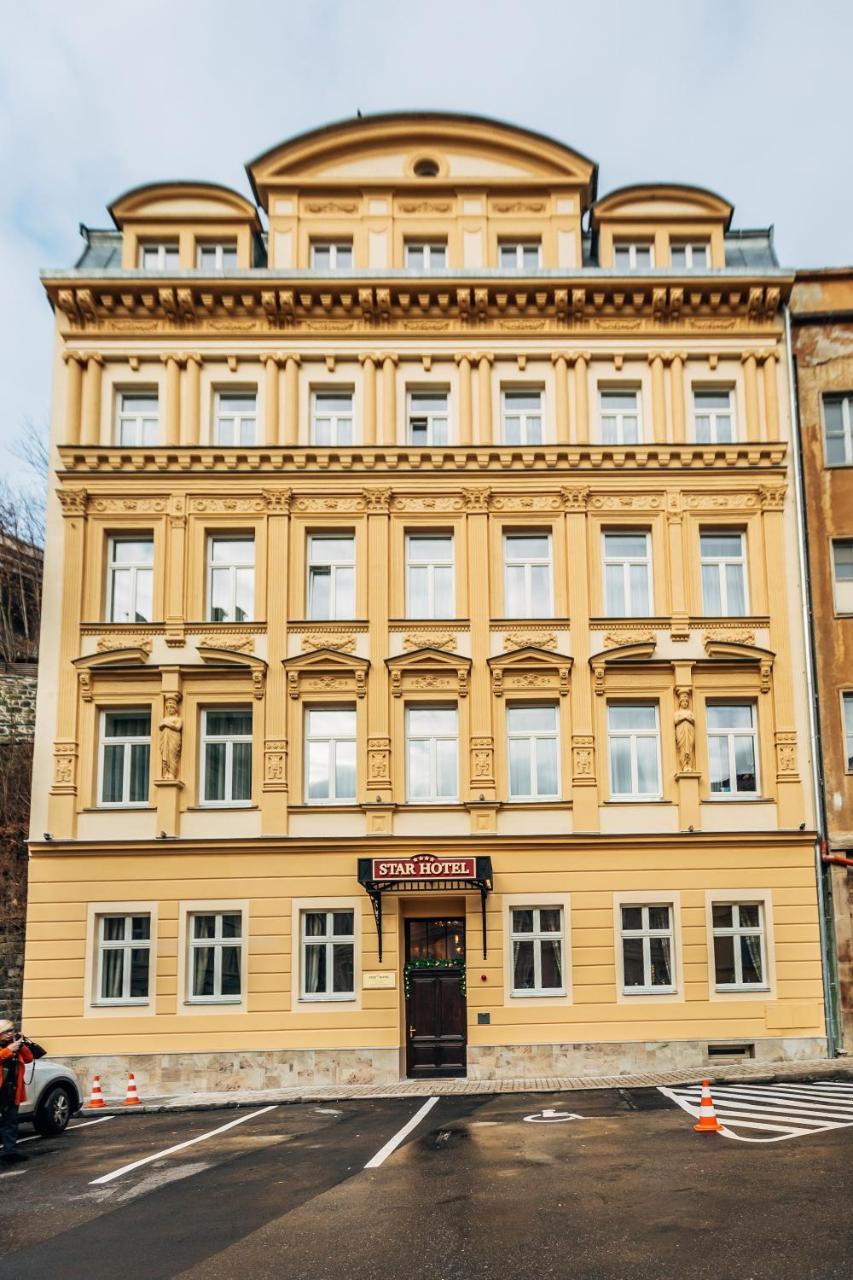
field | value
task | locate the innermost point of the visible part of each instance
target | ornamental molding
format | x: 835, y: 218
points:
x: 112, y: 644
x: 622, y: 653
x: 341, y: 641
x: 427, y: 668
x: 228, y: 506
x: 72, y: 501
x: 530, y: 668
x: 114, y: 506
x: 275, y: 764
x: 430, y: 640
x: 326, y: 670
x: 516, y: 640
x: 629, y: 638
x: 331, y: 206
x: 233, y: 643
x: 244, y: 663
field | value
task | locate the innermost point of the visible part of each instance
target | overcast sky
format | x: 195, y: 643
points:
x: 748, y: 97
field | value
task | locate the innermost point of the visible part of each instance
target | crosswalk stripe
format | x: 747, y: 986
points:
x: 785, y: 1110
x: 797, y: 1104
x: 744, y: 1106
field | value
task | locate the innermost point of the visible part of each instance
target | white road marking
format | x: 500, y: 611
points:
x: 548, y: 1116
x: 788, y: 1110
x: 393, y: 1143
x: 179, y: 1146
x: 69, y: 1129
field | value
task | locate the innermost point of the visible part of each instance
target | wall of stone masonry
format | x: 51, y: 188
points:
x: 17, y: 704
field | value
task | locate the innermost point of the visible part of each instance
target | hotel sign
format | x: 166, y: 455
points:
x: 428, y: 867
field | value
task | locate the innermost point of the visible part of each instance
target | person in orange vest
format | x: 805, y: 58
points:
x: 15, y: 1053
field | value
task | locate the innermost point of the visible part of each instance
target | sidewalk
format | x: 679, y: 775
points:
x: 814, y: 1068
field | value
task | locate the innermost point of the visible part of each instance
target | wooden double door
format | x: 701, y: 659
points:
x: 436, y: 1009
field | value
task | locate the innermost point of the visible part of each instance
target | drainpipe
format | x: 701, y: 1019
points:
x: 828, y: 968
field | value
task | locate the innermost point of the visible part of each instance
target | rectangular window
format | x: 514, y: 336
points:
x: 723, y: 566
x: 230, y: 579
x: 226, y: 756
x: 430, y: 589
x: 842, y: 574
x: 216, y: 956
x: 634, y: 745
x: 235, y: 418
x: 619, y: 415
x: 220, y: 255
x: 130, y: 579
x: 330, y: 755
x: 138, y: 419
x: 847, y: 706
x: 520, y: 255
x: 537, y: 951
x: 522, y: 417
x: 331, y: 576
x: 647, y: 949
x: 426, y: 255
x: 432, y: 750
x: 429, y: 423
x: 627, y: 574
x: 633, y: 255
x: 838, y: 430
x: 527, y: 575
x: 124, y: 955
x: 125, y: 757
x: 331, y: 417
x: 713, y: 420
x: 328, y: 955
x: 732, y: 752
x: 331, y: 255
x: 690, y: 255
x: 533, y: 748
x: 161, y: 256
x: 739, y: 960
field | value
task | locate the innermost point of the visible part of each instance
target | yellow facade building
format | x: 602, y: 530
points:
x: 422, y: 681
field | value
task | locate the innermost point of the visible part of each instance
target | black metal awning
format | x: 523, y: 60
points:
x: 375, y: 886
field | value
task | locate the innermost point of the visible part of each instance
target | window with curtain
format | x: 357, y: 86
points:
x: 522, y: 416
x: 429, y: 422
x: 124, y: 952
x: 331, y: 417
x: 328, y: 955
x: 226, y: 756
x: 536, y: 934
x: 647, y: 948
x: 713, y: 419
x: 138, y: 419
x: 739, y: 946
x: 125, y: 757
x: 732, y: 754
x: 619, y: 415
x: 216, y: 947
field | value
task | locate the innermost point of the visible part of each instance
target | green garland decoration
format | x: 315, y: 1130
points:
x: 457, y: 962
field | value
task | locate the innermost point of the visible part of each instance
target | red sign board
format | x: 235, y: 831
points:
x: 424, y: 868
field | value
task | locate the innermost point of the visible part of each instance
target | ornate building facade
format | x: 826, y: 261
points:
x: 422, y: 692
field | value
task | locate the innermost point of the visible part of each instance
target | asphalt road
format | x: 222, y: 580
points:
x: 472, y: 1192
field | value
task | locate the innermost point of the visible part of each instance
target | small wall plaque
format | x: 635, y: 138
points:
x: 484, y: 1019
x: 378, y: 981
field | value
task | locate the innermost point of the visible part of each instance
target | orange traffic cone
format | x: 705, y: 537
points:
x: 97, y: 1098
x: 708, y: 1122
x: 132, y: 1099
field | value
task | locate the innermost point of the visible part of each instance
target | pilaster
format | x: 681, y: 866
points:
x: 465, y: 407
x: 62, y: 801
x: 482, y: 743
x: 91, y: 431
x: 291, y: 399
x: 484, y: 427
x: 584, y: 766
x: 191, y: 401
x: 389, y: 399
x: 271, y: 395
x: 275, y: 783
x: 368, y: 398
x: 74, y: 364
x: 561, y: 389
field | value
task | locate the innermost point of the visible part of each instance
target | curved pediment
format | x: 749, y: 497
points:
x: 393, y: 149
x: 127, y: 656
x: 638, y: 649
x: 661, y: 202
x: 182, y: 202
x: 737, y: 651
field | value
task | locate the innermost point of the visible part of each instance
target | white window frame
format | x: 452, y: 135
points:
x: 127, y: 743
x: 432, y: 796
x: 619, y: 417
x: 431, y: 415
x: 328, y: 940
x: 229, y: 739
x: 737, y: 931
x: 160, y: 248
x: 634, y: 796
x: 842, y: 588
x: 527, y: 563
x: 231, y: 568
x: 847, y: 727
x: 125, y: 945
x: 143, y: 427
x: 219, y: 248
x: 332, y: 566
x: 627, y: 563
x: 526, y: 416
x: 690, y: 247
x: 341, y: 421
x: 134, y: 568
x: 721, y: 562
x: 715, y: 415
x: 646, y: 933
x: 334, y: 247
x: 428, y: 248
x: 632, y: 246
x: 519, y: 248
x: 846, y: 399
x: 234, y: 419
x: 217, y: 943
x: 537, y: 937
x: 522, y: 901
x: 332, y: 741
x: 533, y: 737
x: 730, y: 735
x: 431, y: 566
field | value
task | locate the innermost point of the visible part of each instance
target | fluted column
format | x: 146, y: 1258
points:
x: 561, y: 380
x: 73, y: 396
x: 191, y: 402
x: 465, y: 408
x: 581, y: 360
x: 676, y: 392
x: 483, y: 427
x: 389, y: 399
x: 92, y: 400
x: 172, y: 430
x: 271, y: 363
x: 750, y: 388
x: 291, y: 399
x: 368, y: 399
x: 771, y: 397
x: 659, y: 432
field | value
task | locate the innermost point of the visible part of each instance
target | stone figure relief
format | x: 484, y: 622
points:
x: 685, y: 733
x: 171, y: 738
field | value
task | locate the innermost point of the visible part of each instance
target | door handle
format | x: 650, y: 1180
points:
x: 412, y: 1030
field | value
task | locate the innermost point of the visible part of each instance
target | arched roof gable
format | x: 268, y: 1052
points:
x: 179, y: 200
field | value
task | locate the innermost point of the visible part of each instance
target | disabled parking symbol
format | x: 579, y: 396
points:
x: 549, y: 1116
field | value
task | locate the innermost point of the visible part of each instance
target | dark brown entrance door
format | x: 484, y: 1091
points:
x: 436, y: 1017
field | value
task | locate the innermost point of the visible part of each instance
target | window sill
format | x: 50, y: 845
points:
x: 349, y: 998
x: 539, y: 995
x: 742, y: 991
x: 120, y: 808
x: 333, y: 806
x: 242, y: 805
x: 639, y: 800
x: 536, y: 802
x: 649, y: 991
x: 744, y: 799
x: 120, y: 1004
x: 226, y: 1002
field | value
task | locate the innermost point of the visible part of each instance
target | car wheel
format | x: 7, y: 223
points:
x: 54, y: 1111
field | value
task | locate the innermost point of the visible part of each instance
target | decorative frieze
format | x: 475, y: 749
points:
x: 343, y: 641
x: 378, y: 761
x: 275, y: 764
x: 583, y: 759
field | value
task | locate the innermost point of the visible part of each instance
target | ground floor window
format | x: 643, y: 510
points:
x: 216, y: 954
x: 328, y: 955
x: 647, y: 948
x: 739, y: 949
x: 537, y: 951
x: 124, y: 952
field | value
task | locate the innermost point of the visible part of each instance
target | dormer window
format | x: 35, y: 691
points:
x: 162, y: 255
x: 220, y: 255
x: 633, y: 255
x: 426, y: 255
x: 331, y: 255
x: 520, y: 255
x: 690, y: 255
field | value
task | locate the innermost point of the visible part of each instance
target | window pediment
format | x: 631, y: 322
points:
x: 326, y: 671
x: 530, y: 669
x: 428, y: 668
x: 749, y: 654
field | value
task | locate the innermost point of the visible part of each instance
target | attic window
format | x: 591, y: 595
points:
x: 426, y: 168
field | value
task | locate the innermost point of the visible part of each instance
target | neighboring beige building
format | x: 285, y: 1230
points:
x: 416, y: 564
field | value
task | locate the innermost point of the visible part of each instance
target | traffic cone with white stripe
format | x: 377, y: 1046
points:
x: 97, y: 1098
x: 708, y: 1122
x: 132, y: 1099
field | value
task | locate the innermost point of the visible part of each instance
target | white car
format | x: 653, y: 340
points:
x: 53, y: 1096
